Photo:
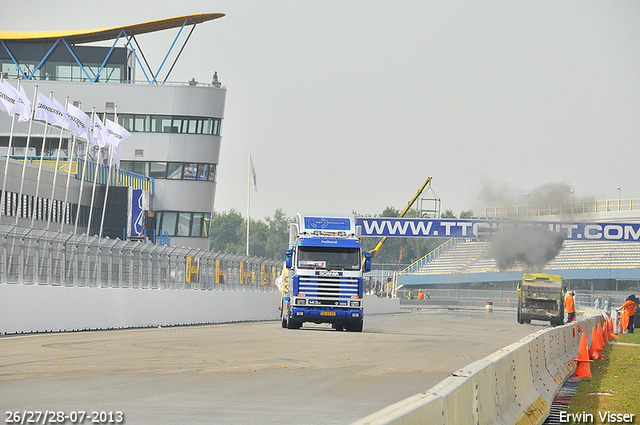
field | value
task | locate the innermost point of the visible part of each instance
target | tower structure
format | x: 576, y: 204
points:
x: 175, y: 126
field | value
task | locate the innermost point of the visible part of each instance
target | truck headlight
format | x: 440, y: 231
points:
x: 355, y: 314
x: 354, y: 303
x: 300, y: 301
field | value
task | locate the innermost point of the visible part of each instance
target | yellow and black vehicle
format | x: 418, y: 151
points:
x: 540, y: 298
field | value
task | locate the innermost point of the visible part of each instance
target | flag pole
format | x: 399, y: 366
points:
x: 93, y: 190
x: 55, y: 174
x: 84, y: 171
x: 95, y: 179
x: 66, y: 189
x: 248, y: 197
x: 6, y: 164
x: 44, y: 140
x: 106, y: 191
x: 26, y: 150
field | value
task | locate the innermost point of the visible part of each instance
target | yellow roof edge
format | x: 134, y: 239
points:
x: 534, y: 276
x: 89, y: 36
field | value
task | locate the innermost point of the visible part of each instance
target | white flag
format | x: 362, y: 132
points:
x: 8, y: 98
x: 82, y: 121
x: 70, y: 124
x: 117, y: 133
x: 24, y: 106
x: 100, y: 134
x: 47, y: 110
x: 253, y: 174
x: 117, y: 151
x: 14, y: 101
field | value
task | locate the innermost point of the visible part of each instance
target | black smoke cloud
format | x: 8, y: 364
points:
x: 502, y: 194
x: 532, y: 246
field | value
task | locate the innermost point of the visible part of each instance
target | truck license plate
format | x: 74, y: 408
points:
x: 327, y: 313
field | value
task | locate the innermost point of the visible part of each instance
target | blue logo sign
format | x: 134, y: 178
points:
x: 327, y: 223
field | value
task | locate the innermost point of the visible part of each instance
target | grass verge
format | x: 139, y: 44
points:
x: 614, y: 385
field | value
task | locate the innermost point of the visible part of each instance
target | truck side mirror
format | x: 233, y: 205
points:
x: 289, y: 260
x: 367, y: 262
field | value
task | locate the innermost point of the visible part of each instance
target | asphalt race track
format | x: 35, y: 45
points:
x: 247, y: 373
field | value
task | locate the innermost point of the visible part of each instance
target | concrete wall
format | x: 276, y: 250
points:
x: 43, y: 308
x: 516, y: 384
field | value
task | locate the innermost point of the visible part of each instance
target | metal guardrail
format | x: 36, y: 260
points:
x: 46, y: 257
x: 413, y: 268
x: 586, y: 207
x: 88, y: 172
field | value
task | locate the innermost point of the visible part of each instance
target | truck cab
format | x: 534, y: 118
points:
x: 324, y: 269
x: 540, y: 298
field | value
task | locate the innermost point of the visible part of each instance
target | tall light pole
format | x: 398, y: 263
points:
x: 619, y: 197
x: 573, y: 200
x: 528, y: 205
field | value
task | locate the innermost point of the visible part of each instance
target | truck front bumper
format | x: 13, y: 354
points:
x: 323, y: 315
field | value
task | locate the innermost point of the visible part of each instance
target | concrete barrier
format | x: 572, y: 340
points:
x: 375, y: 305
x: 514, y: 385
x: 44, y: 308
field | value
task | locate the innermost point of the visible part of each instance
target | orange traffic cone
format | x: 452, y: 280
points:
x: 624, y: 321
x: 605, y: 334
x: 600, y: 340
x: 583, y: 369
x: 579, y: 328
x: 612, y: 335
x: 594, y: 350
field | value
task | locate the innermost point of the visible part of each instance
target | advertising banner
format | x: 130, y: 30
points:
x: 470, y: 229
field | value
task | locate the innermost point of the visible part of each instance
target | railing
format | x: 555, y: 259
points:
x: 121, y: 178
x: 585, y: 207
x: 45, y: 257
x: 430, y: 256
x: 78, y: 169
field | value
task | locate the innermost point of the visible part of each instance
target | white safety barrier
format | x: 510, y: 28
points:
x: 514, y: 385
x: 45, y: 308
x: 375, y: 305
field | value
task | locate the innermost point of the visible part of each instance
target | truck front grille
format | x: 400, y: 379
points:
x: 327, y: 290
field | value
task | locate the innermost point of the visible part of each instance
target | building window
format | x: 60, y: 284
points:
x: 168, y: 224
x: 189, y: 171
x: 169, y: 124
x: 196, y: 224
x: 183, y: 224
x: 158, y: 170
x: 172, y: 170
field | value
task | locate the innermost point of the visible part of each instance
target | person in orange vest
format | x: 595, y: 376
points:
x: 630, y: 308
x: 570, y: 307
x: 421, y: 294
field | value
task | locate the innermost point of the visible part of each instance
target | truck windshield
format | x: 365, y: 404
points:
x: 315, y: 257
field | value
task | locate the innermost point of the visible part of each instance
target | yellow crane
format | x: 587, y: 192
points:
x: 382, y: 240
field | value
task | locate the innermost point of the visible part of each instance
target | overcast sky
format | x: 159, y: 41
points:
x: 351, y: 105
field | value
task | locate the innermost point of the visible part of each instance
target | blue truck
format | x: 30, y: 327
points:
x: 322, y: 280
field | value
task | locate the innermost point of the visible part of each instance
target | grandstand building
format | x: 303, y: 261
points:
x: 588, y: 266
x: 173, y: 151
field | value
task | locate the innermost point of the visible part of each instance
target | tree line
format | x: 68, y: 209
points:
x: 269, y: 238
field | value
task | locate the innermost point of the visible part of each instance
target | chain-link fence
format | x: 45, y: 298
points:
x: 47, y: 257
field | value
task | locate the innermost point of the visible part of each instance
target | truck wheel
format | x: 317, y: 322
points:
x: 293, y: 324
x: 519, y: 316
x: 355, y: 327
x: 338, y: 327
x: 284, y: 322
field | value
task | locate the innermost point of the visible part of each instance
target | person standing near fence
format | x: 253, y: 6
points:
x: 629, y: 306
x: 570, y: 307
